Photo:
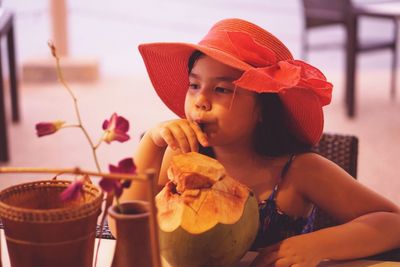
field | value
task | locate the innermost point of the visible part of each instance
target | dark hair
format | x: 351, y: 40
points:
x: 271, y: 136
x: 193, y: 58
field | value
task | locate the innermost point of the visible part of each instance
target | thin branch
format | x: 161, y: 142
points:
x: 77, y: 112
x: 78, y: 171
x: 100, y: 141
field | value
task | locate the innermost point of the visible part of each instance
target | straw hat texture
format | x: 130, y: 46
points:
x: 267, y: 65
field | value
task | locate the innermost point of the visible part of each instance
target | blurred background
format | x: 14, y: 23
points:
x: 102, y: 39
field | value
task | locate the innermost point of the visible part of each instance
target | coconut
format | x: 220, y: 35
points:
x: 206, y: 217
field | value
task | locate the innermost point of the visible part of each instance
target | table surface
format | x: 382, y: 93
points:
x: 107, y: 246
x: 390, y: 8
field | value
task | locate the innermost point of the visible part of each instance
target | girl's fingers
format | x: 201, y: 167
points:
x: 283, y: 262
x: 182, y: 134
x: 268, y: 255
x: 201, y: 136
x: 180, y: 137
x: 270, y: 258
x: 168, y: 138
x: 190, y: 136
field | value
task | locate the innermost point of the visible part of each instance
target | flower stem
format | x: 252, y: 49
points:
x: 118, y: 205
x: 100, y: 141
x: 116, y: 176
x: 70, y: 126
x: 77, y: 112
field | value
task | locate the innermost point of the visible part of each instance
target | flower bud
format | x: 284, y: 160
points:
x: 46, y: 128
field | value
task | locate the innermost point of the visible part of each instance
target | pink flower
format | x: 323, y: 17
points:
x: 124, y: 166
x: 46, y: 128
x: 75, y: 189
x: 116, y: 129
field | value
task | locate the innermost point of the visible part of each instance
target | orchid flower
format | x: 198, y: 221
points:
x: 47, y: 128
x: 116, y: 129
x: 111, y: 185
x: 75, y: 189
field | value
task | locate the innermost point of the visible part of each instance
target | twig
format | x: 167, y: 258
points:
x: 77, y: 112
x: 118, y: 176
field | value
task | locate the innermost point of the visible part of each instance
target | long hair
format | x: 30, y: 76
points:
x: 272, y: 137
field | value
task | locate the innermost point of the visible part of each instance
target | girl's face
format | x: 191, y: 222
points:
x: 225, y: 115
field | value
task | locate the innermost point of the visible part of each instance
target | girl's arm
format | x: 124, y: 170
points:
x: 156, y: 149
x: 155, y: 152
x: 370, y: 223
x: 148, y: 155
x: 367, y: 235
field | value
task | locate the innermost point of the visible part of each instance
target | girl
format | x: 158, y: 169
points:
x: 243, y: 100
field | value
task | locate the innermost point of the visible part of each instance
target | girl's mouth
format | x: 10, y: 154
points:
x: 206, y: 126
x: 202, y: 126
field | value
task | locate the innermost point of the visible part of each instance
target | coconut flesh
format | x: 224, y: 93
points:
x: 206, y: 218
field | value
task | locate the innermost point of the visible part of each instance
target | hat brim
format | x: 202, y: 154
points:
x: 167, y: 66
x: 307, y: 123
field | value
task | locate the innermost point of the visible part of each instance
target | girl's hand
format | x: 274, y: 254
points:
x: 297, y: 251
x: 179, y: 134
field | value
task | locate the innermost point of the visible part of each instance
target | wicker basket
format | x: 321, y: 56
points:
x: 42, y: 230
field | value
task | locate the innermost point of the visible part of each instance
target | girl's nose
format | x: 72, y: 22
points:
x: 202, y: 102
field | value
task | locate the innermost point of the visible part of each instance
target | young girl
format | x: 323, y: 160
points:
x: 242, y: 99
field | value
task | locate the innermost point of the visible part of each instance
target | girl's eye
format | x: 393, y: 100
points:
x: 223, y: 90
x: 193, y: 86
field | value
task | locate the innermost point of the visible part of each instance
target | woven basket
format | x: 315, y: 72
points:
x: 41, y: 230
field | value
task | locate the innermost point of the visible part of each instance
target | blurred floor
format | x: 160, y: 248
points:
x: 111, y: 32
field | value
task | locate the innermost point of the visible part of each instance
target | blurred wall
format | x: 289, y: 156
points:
x: 111, y: 31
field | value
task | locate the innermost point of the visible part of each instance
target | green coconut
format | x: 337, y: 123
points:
x: 206, y: 218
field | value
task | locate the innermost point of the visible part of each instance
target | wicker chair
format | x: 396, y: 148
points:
x: 343, y: 150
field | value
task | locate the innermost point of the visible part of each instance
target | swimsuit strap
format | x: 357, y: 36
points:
x: 284, y: 171
x: 285, y: 168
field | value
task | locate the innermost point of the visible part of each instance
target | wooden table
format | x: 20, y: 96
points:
x: 247, y: 259
x: 388, y: 9
x: 107, y: 251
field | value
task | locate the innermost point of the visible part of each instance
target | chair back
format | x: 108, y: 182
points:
x: 325, y: 12
x: 343, y: 150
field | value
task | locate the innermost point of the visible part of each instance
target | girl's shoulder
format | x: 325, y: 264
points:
x: 308, y: 169
x: 309, y: 156
x: 305, y: 162
x: 317, y: 179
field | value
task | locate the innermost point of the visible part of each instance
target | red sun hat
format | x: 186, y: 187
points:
x: 267, y: 65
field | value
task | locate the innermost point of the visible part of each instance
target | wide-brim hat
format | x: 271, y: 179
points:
x: 267, y: 65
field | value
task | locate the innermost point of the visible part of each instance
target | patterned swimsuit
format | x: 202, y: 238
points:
x: 275, y: 225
